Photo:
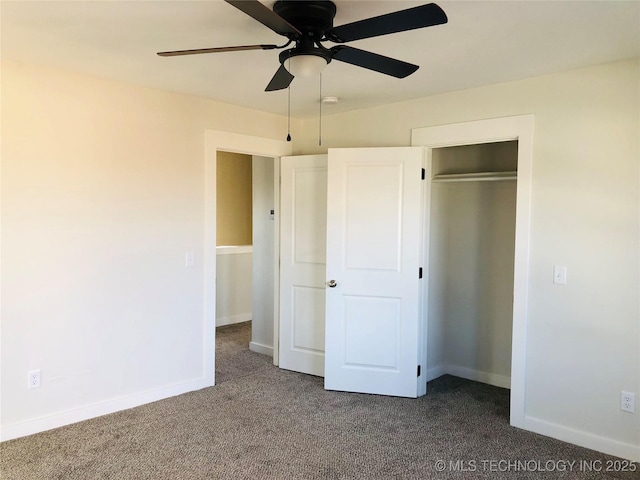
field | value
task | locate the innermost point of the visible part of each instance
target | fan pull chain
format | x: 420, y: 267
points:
x: 289, y: 110
x: 320, y: 119
x: 289, y: 114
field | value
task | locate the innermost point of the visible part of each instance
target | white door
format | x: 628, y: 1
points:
x: 303, y: 220
x: 373, y: 255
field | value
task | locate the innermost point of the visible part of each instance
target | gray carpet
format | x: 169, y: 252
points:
x: 233, y: 357
x: 261, y: 422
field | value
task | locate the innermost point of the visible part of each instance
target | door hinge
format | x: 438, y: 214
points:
x: 418, y: 370
x: 420, y: 272
x: 424, y: 174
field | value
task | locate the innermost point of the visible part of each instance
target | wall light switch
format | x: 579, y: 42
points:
x: 560, y: 275
x: 189, y: 259
x: 272, y: 215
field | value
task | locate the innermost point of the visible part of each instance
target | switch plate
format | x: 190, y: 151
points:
x: 272, y: 215
x: 189, y: 259
x: 560, y: 275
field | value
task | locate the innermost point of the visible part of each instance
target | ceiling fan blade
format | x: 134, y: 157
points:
x: 217, y: 50
x: 401, y: 21
x: 373, y: 61
x: 281, y: 80
x: 264, y: 15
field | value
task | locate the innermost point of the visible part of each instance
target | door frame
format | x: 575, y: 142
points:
x: 215, y: 141
x: 521, y: 129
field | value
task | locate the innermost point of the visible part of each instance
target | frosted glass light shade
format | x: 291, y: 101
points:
x: 305, y: 65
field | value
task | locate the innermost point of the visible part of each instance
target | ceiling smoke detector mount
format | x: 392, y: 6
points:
x: 330, y: 100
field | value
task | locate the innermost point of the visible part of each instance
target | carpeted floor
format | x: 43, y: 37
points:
x: 233, y: 357
x: 260, y: 422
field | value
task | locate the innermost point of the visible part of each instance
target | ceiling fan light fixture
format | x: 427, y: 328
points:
x: 305, y: 65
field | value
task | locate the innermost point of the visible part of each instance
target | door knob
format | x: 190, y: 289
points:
x: 332, y: 283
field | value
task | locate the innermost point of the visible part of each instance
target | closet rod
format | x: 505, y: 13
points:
x: 476, y: 177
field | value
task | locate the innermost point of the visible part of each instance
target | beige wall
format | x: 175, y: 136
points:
x: 103, y: 192
x: 583, y: 339
x: 234, y: 200
x: 102, y: 196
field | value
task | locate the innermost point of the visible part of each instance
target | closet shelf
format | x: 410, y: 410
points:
x: 476, y: 177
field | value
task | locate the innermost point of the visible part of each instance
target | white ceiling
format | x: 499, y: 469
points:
x: 484, y: 42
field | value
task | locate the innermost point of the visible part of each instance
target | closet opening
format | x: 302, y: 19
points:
x: 245, y: 258
x: 471, y: 254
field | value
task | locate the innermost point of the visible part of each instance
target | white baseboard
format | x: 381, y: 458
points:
x: 259, y: 348
x: 234, y: 249
x: 583, y: 439
x: 230, y: 320
x: 48, y: 422
x: 435, y: 372
x: 470, y: 374
x: 479, y: 376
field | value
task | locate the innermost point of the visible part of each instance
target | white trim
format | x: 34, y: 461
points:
x: 472, y: 133
x: 276, y: 267
x: 424, y: 262
x: 259, y: 348
x: 435, y: 372
x: 232, y: 319
x: 518, y: 128
x: 237, y: 143
x: 583, y: 439
x: 233, y: 249
x: 86, y: 412
x: 489, y: 378
x: 475, y: 177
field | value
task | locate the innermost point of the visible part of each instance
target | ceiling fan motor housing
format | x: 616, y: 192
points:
x: 311, y: 17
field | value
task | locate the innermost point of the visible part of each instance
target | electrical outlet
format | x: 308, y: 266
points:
x: 627, y: 401
x: 33, y: 378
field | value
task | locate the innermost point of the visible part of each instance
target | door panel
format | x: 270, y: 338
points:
x: 309, y: 208
x: 373, y: 254
x: 380, y: 213
x: 372, y: 332
x: 303, y: 215
x: 308, y: 303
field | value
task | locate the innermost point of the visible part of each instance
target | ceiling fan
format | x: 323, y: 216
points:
x: 308, y: 23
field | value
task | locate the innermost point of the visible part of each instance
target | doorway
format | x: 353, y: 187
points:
x: 244, y: 254
x: 216, y: 141
x: 234, y: 239
x: 471, y: 259
x: 517, y: 128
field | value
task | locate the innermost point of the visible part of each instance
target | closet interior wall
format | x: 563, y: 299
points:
x: 471, y: 261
